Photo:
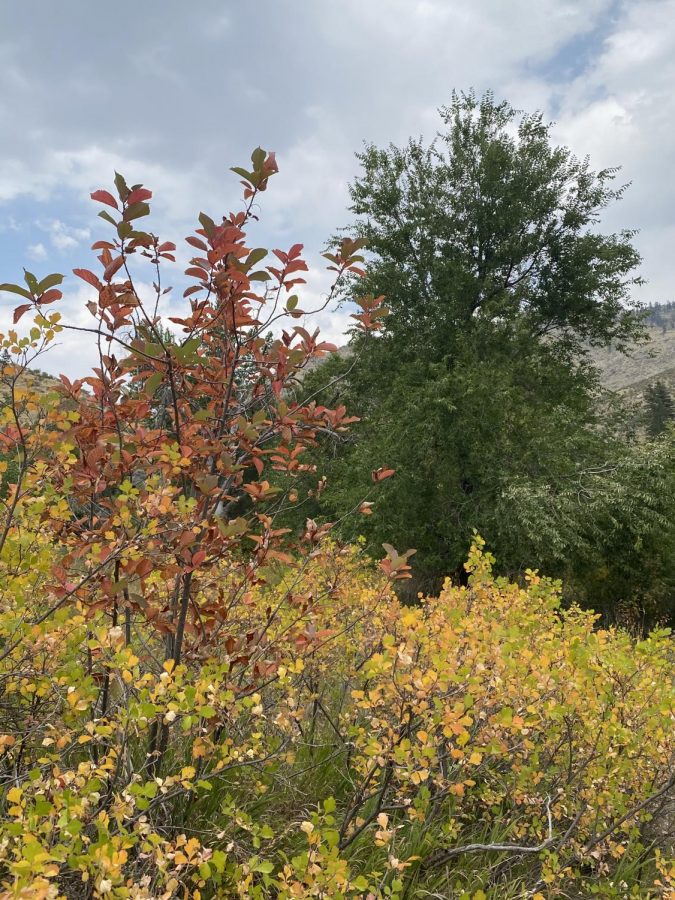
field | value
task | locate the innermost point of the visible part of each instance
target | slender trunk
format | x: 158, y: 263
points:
x: 159, y: 733
x: 182, y: 617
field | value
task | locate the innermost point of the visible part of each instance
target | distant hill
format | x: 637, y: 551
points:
x: 661, y: 315
x: 32, y: 379
x: 650, y: 362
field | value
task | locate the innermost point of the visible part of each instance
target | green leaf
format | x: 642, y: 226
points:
x: 121, y: 186
x: 187, y: 352
x: 205, y: 870
x: 49, y: 282
x: 153, y: 383
x: 243, y: 173
x: 236, y: 526
x: 31, y: 281
x: 255, y: 256
x: 207, y: 223
x: 219, y: 859
x: 258, y: 158
x: 74, y: 826
x: 266, y: 867
x: 104, y: 214
x: 136, y: 211
x: 16, y: 289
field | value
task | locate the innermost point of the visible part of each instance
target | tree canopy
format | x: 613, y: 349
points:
x: 479, y: 392
x: 493, y: 225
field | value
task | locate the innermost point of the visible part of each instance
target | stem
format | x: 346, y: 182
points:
x: 182, y: 617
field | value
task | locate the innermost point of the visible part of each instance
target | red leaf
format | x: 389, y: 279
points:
x: 197, y: 273
x: 50, y: 297
x: 87, y: 276
x: 195, y: 242
x: 113, y: 267
x: 381, y: 474
x: 104, y: 197
x: 198, y: 557
x: 144, y: 567
x: 138, y: 195
x: 102, y: 245
x: 167, y: 245
x: 20, y: 310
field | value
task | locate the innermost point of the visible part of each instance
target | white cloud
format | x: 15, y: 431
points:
x: 621, y: 111
x: 311, y: 81
x: 36, y: 251
x: 62, y: 236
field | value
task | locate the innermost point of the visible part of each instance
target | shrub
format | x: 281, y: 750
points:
x: 482, y: 741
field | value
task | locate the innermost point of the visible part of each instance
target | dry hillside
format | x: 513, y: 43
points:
x: 650, y: 362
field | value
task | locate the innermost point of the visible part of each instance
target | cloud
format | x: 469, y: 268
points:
x: 176, y: 100
x: 62, y: 236
x: 621, y: 111
x: 36, y: 251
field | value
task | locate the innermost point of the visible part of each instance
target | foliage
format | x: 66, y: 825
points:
x: 387, y: 751
x: 493, y: 225
x: 156, y: 467
x: 479, y: 392
x: 659, y: 408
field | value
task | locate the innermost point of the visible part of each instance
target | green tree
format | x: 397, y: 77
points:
x: 479, y: 392
x: 659, y: 408
x: 493, y: 225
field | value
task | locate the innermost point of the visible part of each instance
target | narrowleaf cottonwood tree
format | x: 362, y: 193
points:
x: 498, y: 279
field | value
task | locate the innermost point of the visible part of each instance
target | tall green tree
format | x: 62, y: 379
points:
x: 486, y: 244
x: 659, y: 408
x: 493, y: 225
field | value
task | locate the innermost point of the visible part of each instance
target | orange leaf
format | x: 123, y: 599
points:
x: 380, y: 474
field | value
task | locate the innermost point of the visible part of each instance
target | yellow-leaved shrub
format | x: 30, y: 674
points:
x: 484, y: 743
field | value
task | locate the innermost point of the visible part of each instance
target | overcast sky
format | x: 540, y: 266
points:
x: 173, y: 93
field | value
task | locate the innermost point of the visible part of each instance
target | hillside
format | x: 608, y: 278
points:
x: 650, y: 362
x: 32, y: 380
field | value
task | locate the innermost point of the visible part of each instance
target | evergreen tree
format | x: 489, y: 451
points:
x: 659, y: 409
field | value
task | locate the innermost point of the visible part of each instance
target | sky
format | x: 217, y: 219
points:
x: 172, y: 94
